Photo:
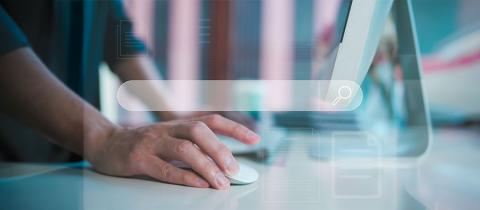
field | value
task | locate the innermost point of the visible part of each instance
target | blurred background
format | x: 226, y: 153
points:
x: 289, y: 39
x: 292, y: 40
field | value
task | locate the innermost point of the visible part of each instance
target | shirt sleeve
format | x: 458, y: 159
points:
x: 11, y: 37
x: 121, y: 41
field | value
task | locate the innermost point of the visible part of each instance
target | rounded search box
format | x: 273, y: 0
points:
x: 240, y: 95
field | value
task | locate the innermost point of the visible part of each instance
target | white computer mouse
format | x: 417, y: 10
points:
x: 245, y: 175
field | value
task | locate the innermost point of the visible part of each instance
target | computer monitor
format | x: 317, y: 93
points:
x: 360, y: 27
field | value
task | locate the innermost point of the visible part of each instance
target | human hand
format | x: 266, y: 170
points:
x: 149, y: 150
x: 240, y: 118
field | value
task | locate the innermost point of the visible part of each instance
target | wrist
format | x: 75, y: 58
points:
x: 96, y: 134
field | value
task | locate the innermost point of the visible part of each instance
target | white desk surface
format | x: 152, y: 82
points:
x: 445, y: 178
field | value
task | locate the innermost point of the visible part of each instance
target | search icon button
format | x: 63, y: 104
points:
x: 344, y: 93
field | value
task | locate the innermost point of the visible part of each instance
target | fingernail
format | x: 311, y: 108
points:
x: 221, y: 180
x: 252, y: 136
x: 232, y: 166
x: 201, y: 183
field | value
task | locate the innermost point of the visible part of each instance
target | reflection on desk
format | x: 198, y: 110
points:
x: 445, y: 178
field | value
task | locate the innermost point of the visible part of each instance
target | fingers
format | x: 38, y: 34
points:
x: 187, y: 152
x: 240, y: 118
x: 163, y: 171
x: 201, y: 135
x: 230, y: 128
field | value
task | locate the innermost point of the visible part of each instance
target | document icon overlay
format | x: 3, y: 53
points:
x: 356, y: 165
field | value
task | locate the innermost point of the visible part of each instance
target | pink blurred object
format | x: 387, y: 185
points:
x: 277, y: 47
x: 452, y: 73
x: 460, y: 50
x: 433, y: 64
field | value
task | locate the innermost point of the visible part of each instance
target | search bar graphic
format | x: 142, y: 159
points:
x: 344, y: 93
x: 240, y: 95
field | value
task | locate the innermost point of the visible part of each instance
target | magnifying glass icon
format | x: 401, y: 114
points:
x: 344, y: 93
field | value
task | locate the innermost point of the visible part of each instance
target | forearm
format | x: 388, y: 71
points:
x: 33, y: 95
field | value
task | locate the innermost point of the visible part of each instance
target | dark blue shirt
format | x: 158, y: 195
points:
x: 72, y: 38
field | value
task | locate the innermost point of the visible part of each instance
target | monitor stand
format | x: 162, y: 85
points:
x: 414, y: 137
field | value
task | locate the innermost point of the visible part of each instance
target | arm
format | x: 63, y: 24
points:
x: 31, y: 94
x: 37, y: 98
